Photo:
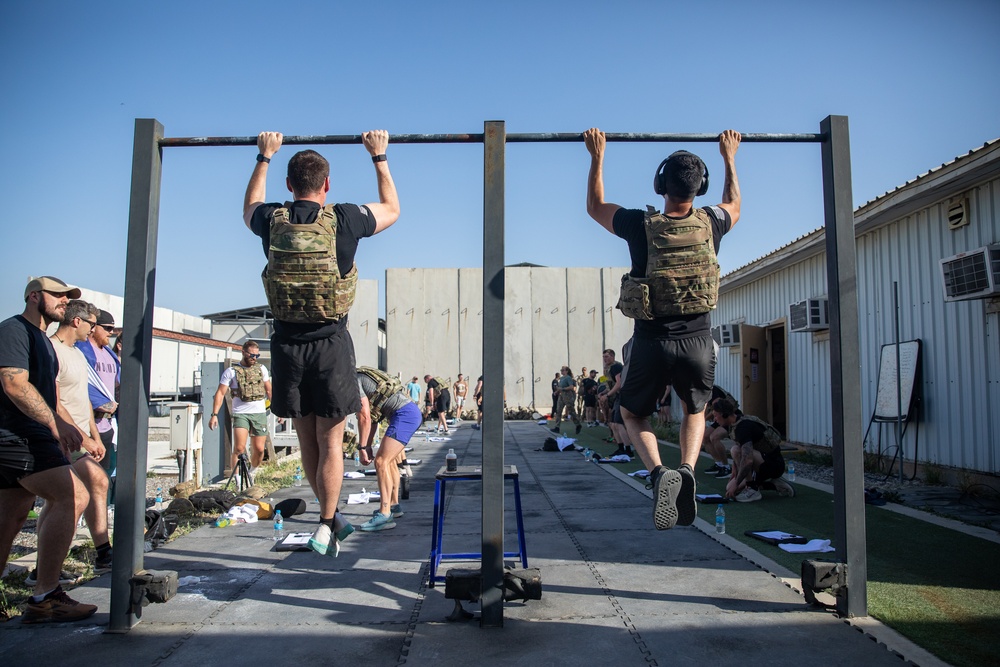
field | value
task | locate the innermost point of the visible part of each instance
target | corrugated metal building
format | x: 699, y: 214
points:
x: 902, y: 237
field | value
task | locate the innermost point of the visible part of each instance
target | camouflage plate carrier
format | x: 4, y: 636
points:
x: 249, y: 383
x: 771, y: 441
x: 302, y: 279
x: 682, y: 272
x: 386, y: 386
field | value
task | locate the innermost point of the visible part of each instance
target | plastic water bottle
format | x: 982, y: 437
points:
x: 159, y: 499
x: 587, y: 453
x: 451, y: 461
x: 279, y: 527
x: 790, y: 473
x: 357, y: 459
x: 720, y: 520
x: 298, y: 476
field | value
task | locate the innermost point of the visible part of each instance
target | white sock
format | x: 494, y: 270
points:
x: 39, y: 598
x: 322, y: 534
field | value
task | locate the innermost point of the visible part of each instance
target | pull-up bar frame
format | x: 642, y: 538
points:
x: 140, y: 273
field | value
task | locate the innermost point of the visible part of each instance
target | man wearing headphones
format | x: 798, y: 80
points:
x: 671, y: 289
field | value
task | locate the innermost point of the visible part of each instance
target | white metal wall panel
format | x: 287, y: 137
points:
x: 163, y: 367
x: 519, y: 372
x: 960, y: 412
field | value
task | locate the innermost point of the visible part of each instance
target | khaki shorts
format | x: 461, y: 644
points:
x: 254, y: 422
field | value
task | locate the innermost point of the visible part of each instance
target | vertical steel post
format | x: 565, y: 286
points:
x: 845, y: 365
x: 133, y: 413
x: 494, y: 143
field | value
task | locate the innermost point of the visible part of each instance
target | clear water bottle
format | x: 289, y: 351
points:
x: 587, y: 453
x: 720, y: 520
x: 357, y: 458
x: 159, y: 499
x: 298, y: 476
x: 279, y: 527
x: 451, y: 461
x: 790, y: 473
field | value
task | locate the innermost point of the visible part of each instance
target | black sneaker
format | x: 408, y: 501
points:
x: 578, y: 427
x: 712, y: 469
x: 687, y: 505
x: 723, y: 471
x: 555, y: 429
x: 666, y: 485
x: 618, y: 452
x: 65, y: 578
x: 57, y: 607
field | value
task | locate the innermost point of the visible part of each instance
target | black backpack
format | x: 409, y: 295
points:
x: 215, y: 501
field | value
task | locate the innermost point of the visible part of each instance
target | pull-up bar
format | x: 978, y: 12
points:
x: 140, y: 270
x: 521, y: 138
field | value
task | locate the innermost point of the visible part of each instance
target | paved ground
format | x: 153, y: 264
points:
x: 615, y: 590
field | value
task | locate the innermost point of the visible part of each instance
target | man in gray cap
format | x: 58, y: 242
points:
x: 103, y: 385
x: 36, y: 438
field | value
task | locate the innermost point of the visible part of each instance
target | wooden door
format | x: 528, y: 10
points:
x: 754, y: 392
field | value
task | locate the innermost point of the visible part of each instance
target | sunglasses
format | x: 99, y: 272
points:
x: 253, y: 356
x: 107, y: 327
x: 92, y: 324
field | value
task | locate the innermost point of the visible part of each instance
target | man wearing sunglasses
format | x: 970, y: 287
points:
x: 103, y: 384
x: 72, y: 380
x: 251, y: 386
x: 36, y: 438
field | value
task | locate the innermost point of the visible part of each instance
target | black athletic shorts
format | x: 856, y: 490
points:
x: 20, y: 457
x: 590, y: 400
x: 773, y: 467
x: 652, y: 363
x: 442, y: 402
x: 317, y: 377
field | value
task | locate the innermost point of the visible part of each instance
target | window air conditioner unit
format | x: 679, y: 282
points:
x: 809, y: 315
x: 726, y: 335
x: 972, y: 275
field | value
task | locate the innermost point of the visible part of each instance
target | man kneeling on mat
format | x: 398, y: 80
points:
x: 384, y: 398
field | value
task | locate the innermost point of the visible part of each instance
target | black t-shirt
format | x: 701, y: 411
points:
x: 23, y: 345
x: 353, y: 222
x: 613, y: 373
x: 589, y: 386
x: 629, y: 224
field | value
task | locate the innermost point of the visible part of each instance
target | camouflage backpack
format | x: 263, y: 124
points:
x: 386, y: 386
x: 682, y: 272
x: 249, y: 383
x: 302, y: 279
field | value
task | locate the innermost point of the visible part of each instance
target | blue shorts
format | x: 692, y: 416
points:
x: 404, y: 423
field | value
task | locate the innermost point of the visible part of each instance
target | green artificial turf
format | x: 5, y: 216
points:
x: 934, y: 585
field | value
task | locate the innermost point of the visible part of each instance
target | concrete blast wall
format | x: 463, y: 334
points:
x: 552, y: 316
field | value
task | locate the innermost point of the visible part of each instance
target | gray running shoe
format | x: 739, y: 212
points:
x: 666, y: 486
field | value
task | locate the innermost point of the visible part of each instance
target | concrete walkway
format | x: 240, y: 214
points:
x: 616, y: 591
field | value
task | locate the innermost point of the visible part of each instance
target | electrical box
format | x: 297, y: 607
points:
x: 809, y: 315
x: 185, y: 426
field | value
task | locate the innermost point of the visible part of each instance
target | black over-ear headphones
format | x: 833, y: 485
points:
x: 660, y: 180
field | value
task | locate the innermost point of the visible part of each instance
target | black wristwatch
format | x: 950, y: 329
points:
x: 261, y: 158
x: 379, y: 158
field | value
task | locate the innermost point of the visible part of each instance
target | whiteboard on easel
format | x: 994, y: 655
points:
x: 886, y: 399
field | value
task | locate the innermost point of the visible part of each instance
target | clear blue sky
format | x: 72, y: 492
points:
x: 917, y: 79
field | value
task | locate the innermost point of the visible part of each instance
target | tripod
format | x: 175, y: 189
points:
x: 241, y: 471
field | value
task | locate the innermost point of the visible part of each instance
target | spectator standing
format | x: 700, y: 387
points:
x: 37, y: 437
x: 461, y: 388
x: 567, y: 399
x: 250, y: 383
x: 103, y: 385
x: 72, y: 380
